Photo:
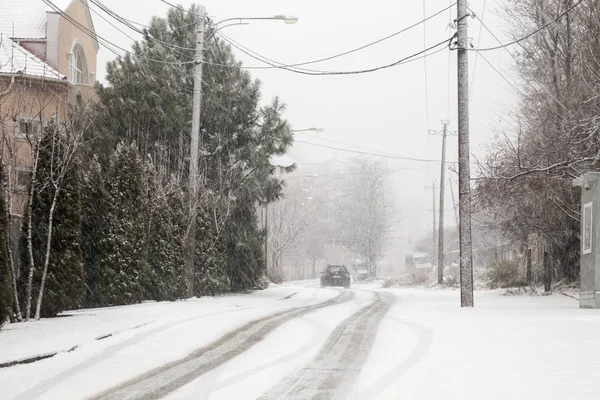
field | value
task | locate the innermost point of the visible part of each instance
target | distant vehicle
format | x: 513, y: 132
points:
x: 362, y: 274
x: 418, y: 261
x: 335, y: 275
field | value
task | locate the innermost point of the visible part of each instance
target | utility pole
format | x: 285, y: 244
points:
x: 266, y: 238
x: 464, y: 163
x: 433, y: 233
x: 440, y: 253
x: 194, y: 148
x: 454, y: 203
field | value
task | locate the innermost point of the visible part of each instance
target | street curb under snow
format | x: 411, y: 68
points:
x: 33, y: 359
x: 44, y: 356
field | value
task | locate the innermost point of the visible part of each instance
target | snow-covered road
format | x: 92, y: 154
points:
x: 297, y: 341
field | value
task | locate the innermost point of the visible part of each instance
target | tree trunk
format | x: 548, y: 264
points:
x: 314, y: 267
x: 29, y: 233
x: 529, y: 268
x: 47, y: 256
x: 12, y: 269
x: 547, y: 273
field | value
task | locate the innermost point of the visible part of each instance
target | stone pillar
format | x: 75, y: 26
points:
x: 589, y: 292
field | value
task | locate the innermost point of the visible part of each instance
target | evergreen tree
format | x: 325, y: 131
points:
x: 123, y: 264
x: 5, y: 289
x: 95, y: 202
x: 243, y: 239
x: 166, y: 230
x: 64, y: 285
x: 210, y: 263
x: 149, y: 102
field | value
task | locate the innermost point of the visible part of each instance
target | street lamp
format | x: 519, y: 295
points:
x: 316, y: 130
x: 288, y: 19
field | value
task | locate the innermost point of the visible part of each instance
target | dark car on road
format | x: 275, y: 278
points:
x: 335, y: 275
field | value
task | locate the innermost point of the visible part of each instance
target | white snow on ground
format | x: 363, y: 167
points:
x: 427, y: 347
x: 170, y: 331
x: 508, y: 347
x: 286, y: 349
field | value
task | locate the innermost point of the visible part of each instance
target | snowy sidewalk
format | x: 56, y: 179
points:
x: 507, y: 347
x: 77, y: 328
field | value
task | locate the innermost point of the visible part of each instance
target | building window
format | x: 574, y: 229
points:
x: 22, y: 178
x: 79, y: 69
x: 28, y: 128
x: 587, y: 229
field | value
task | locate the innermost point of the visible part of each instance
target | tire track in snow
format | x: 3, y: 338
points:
x: 418, y: 352
x: 332, y: 373
x: 42, y: 387
x: 161, y: 381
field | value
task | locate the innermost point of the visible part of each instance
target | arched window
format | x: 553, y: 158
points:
x: 79, y: 69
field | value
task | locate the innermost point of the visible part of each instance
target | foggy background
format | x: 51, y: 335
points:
x: 389, y: 111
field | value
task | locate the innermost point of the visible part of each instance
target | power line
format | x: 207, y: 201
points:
x: 425, y: 70
x: 180, y: 8
x: 395, y: 157
x: 324, y: 73
x: 113, y: 14
x: 502, y: 76
x: 425, y: 19
x: 106, y: 43
x: 449, y: 64
x: 346, y: 144
x: 568, y: 10
x: 478, y: 41
x: 483, y: 25
x: 272, y: 63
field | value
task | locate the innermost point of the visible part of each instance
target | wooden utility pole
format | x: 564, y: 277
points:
x: 454, y: 203
x: 194, y: 149
x: 464, y: 163
x: 433, y: 233
x: 440, y: 250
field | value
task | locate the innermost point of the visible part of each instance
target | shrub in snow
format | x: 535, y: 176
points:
x: 166, y: 230
x: 503, y: 274
x: 123, y: 263
x: 94, y: 210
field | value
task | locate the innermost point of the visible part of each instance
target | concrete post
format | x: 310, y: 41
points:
x: 589, y: 292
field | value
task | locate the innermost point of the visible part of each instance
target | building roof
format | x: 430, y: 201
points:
x: 14, y: 59
x: 26, y: 19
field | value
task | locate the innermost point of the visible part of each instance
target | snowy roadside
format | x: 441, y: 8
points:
x: 172, y: 331
x: 20, y: 341
x: 507, y: 347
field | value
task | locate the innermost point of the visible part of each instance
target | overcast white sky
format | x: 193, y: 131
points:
x: 385, y: 111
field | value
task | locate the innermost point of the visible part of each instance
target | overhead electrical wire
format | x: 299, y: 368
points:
x: 404, y: 60
x: 483, y: 25
x: 116, y: 16
x: 180, y: 8
x: 272, y: 64
x: 128, y: 23
x: 346, y: 144
x: 502, y: 76
x: 478, y: 41
x: 390, y: 156
x: 106, y: 43
x: 568, y: 10
x: 425, y: 69
x: 449, y: 69
x: 366, y: 45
